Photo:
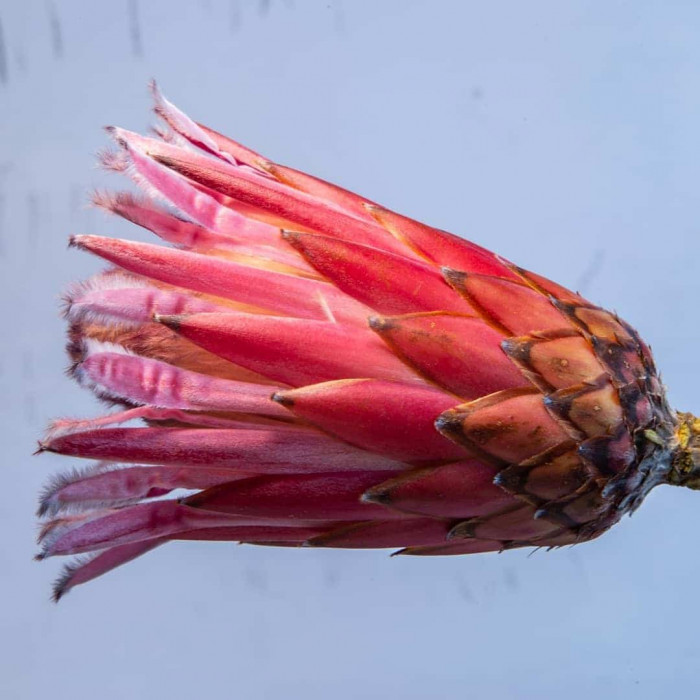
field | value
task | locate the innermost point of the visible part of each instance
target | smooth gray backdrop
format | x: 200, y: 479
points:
x: 564, y: 135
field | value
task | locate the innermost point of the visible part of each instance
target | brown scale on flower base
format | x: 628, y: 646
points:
x: 316, y: 370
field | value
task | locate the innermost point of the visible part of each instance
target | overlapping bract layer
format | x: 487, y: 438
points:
x: 318, y: 370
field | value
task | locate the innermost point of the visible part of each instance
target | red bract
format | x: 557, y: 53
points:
x: 317, y: 370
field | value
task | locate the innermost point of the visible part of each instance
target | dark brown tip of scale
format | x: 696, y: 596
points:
x: 511, y: 478
x: 454, y: 278
x: 282, y: 397
x: 379, y: 323
x: 449, y: 424
x: 293, y: 238
x: 517, y: 348
x: 376, y: 496
x: 173, y: 321
x: 462, y: 530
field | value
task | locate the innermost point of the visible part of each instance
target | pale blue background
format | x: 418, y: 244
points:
x: 565, y: 135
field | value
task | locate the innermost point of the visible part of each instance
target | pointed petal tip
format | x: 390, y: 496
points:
x: 116, y: 132
x: 47, y: 505
x: 116, y: 161
x: 63, y: 584
x: 128, y: 140
x: 100, y: 199
x: 154, y: 90
x: 85, y: 241
x: 118, y: 135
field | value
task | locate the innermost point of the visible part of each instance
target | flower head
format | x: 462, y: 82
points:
x: 317, y: 370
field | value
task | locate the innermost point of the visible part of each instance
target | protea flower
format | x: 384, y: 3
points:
x: 317, y: 370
